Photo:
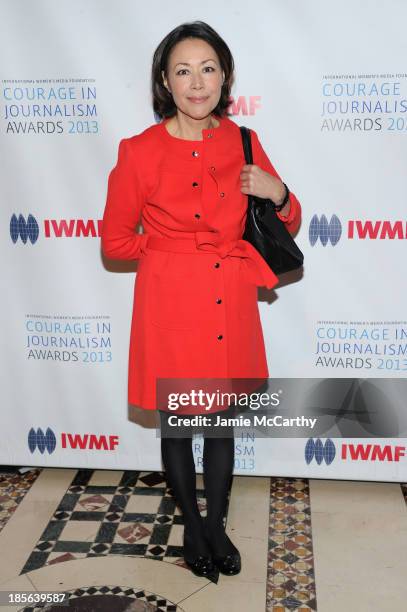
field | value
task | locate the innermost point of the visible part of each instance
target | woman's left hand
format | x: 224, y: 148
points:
x: 258, y: 182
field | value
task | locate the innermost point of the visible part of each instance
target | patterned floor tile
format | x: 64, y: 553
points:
x: 137, y: 516
x: 290, y: 573
x: 107, y: 598
x: 13, y: 488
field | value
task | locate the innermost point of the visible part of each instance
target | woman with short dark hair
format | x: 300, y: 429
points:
x: 195, y: 312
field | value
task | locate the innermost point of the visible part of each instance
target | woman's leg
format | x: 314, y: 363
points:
x: 179, y: 465
x: 218, y: 462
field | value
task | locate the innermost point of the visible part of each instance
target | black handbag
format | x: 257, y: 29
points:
x: 264, y: 230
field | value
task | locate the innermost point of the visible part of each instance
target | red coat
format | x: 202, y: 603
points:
x: 195, y: 311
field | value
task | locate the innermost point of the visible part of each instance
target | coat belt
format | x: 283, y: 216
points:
x: 255, y: 267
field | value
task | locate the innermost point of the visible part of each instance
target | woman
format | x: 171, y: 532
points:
x: 195, y: 312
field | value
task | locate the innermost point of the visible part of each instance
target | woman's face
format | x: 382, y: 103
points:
x: 194, y: 77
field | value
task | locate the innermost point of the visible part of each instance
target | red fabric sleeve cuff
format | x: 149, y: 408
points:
x: 293, y: 210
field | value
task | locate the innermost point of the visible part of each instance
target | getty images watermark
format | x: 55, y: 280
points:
x: 226, y: 407
x: 210, y: 401
x: 283, y: 407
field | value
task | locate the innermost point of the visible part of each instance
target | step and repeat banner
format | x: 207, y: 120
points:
x: 325, y: 87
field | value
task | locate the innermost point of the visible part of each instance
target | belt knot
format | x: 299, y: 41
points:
x: 212, y: 242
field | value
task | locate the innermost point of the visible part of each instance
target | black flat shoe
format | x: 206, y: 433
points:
x: 230, y: 564
x: 202, y: 565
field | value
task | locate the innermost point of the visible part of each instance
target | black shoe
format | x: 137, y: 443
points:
x: 229, y: 564
x: 201, y: 565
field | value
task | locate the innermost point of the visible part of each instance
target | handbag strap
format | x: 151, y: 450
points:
x: 247, y: 144
x: 248, y: 154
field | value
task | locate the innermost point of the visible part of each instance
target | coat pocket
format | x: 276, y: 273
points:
x: 172, y: 302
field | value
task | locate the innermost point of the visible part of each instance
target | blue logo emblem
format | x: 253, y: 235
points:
x: 320, y: 228
x: 319, y: 451
x: 25, y: 229
x: 37, y: 439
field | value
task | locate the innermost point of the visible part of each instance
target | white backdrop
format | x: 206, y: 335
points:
x: 323, y: 85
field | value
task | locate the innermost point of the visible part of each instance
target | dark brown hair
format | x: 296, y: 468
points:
x: 163, y: 103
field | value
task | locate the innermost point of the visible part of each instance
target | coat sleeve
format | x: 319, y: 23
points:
x: 260, y: 158
x: 124, y: 203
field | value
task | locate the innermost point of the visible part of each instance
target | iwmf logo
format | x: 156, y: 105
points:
x: 356, y: 229
x: 47, y: 441
x: 325, y: 230
x: 28, y: 229
x: 320, y: 451
x: 25, y: 229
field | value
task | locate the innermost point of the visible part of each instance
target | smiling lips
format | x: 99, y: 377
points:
x: 197, y: 100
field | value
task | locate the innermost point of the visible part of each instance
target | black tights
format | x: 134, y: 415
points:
x: 218, y: 461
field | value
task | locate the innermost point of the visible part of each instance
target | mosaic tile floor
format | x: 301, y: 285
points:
x: 110, y: 599
x: 13, y: 487
x: 138, y: 517
x: 130, y: 517
x: 290, y: 579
